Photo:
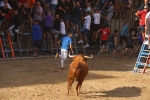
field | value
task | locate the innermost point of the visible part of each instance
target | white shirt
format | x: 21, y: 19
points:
x: 87, y: 22
x: 62, y: 28
x: 96, y: 18
x: 55, y: 2
x: 147, y: 18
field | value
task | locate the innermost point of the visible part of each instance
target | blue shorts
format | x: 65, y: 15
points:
x: 67, y: 17
x: 53, y: 7
x: 111, y: 46
x: 142, y: 28
x: 75, y: 20
x: 84, y: 31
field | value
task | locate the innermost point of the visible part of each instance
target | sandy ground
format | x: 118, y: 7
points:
x: 42, y: 79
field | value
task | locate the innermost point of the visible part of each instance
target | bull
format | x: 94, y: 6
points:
x: 78, y: 70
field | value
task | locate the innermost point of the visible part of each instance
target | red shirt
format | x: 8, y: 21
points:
x: 104, y: 33
x: 22, y: 1
x: 142, y: 15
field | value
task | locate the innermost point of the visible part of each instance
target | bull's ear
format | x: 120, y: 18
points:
x: 86, y: 59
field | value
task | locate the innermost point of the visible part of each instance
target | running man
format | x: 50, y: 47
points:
x: 66, y: 44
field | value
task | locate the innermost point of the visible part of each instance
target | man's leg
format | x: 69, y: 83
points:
x: 63, y: 57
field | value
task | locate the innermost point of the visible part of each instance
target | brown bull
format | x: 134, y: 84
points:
x: 78, y: 70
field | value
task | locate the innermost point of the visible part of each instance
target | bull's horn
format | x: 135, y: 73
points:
x: 71, y: 56
x: 88, y: 56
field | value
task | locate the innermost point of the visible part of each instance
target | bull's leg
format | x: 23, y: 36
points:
x: 77, y: 87
x: 70, y: 82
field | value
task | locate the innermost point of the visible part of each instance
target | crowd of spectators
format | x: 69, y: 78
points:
x: 57, y: 17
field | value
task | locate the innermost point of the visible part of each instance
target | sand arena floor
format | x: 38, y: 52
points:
x: 42, y: 79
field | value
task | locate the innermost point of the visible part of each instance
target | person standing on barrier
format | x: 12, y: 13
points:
x: 66, y: 44
x: 123, y: 35
x: 85, y: 29
x: 141, y: 15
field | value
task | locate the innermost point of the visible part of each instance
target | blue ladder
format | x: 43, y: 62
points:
x: 143, y: 54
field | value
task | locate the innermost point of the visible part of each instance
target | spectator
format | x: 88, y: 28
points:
x: 129, y: 44
x: 140, y: 41
x: 36, y: 36
x: 56, y: 30
x: 104, y: 22
x: 147, y: 27
x: 62, y: 28
x: 38, y: 12
x: 128, y: 5
x: 69, y: 8
x: 112, y: 42
x: 88, y: 7
x: 110, y: 11
x: 123, y: 35
x: 96, y: 24
x: 104, y: 33
x: 53, y: 6
x: 66, y: 44
x: 48, y: 25
x: 98, y: 4
x: 76, y: 19
x: 61, y: 9
x: 17, y: 23
x: 104, y: 4
x: 4, y: 11
x: 85, y: 29
x: 142, y: 6
x: 31, y: 4
x: 141, y: 15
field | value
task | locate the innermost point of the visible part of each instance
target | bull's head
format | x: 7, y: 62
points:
x: 73, y: 56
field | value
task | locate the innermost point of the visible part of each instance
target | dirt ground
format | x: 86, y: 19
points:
x: 42, y: 79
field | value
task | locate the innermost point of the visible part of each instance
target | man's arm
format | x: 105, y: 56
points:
x: 71, y: 47
x: 115, y: 40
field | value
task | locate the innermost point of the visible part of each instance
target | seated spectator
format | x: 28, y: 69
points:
x: 36, y: 36
x: 85, y: 29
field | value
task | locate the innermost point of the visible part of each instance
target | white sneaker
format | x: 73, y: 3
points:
x: 86, y: 46
x: 81, y: 41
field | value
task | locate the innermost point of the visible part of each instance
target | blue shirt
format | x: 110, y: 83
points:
x: 36, y: 32
x: 66, y: 41
x: 124, y: 31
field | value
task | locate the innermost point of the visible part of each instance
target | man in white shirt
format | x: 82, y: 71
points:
x: 85, y: 29
x: 53, y: 6
x: 62, y: 28
x: 96, y: 25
